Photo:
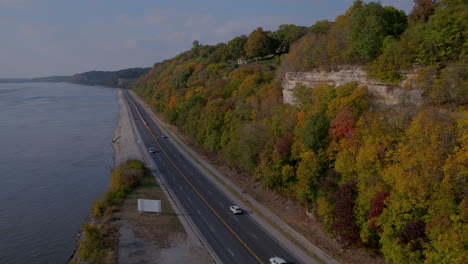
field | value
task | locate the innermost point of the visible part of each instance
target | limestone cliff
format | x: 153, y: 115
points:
x: 402, y: 93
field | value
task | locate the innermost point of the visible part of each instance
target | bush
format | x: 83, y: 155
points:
x: 124, y: 179
x: 93, y: 248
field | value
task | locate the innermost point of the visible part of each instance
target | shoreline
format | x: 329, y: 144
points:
x: 131, y: 247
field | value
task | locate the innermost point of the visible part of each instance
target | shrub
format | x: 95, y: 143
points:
x: 93, y: 248
x: 124, y: 179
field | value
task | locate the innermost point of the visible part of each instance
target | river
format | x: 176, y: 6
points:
x: 55, y: 158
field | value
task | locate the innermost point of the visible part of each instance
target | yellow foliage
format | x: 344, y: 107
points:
x: 116, y: 178
x: 345, y: 164
x: 325, y: 211
x: 188, y: 94
x: 253, y: 115
x: 448, y: 238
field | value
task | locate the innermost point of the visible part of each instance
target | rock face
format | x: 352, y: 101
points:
x: 385, y: 94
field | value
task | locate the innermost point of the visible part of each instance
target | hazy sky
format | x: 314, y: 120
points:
x: 62, y: 37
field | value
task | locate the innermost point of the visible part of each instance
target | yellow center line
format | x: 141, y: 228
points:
x: 201, y: 196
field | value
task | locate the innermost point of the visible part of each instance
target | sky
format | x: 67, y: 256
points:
x: 41, y: 38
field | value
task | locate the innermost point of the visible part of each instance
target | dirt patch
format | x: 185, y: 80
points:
x: 164, y: 229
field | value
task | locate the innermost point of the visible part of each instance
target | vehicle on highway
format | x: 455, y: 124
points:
x: 277, y: 260
x: 235, y: 209
x: 152, y: 150
x: 164, y: 136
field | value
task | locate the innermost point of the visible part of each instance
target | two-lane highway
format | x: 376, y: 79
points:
x: 233, y: 238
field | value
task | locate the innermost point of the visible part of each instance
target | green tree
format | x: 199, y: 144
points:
x: 398, y: 54
x: 286, y: 35
x: 236, y: 46
x: 315, y: 131
x: 446, y: 34
x: 370, y: 25
x: 251, y: 145
x: 195, y: 48
x: 258, y: 43
x: 321, y: 27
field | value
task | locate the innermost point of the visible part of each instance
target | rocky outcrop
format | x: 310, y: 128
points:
x: 385, y: 94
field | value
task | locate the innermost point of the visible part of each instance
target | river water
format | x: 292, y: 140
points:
x: 55, y: 158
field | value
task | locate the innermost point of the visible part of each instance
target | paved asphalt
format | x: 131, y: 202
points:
x: 233, y: 238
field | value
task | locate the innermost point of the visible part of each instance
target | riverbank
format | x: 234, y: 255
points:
x: 147, y: 237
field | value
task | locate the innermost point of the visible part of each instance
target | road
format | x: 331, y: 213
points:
x: 233, y: 238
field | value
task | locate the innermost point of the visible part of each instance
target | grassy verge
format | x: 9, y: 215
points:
x: 130, y: 181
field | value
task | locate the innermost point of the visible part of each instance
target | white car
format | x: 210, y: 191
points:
x: 235, y: 209
x: 277, y: 260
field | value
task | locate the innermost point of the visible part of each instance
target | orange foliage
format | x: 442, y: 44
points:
x: 300, y: 118
x: 173, y: 100
x: 342, y: 125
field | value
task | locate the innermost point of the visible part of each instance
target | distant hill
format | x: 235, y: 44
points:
x: 51, y: 79
x: 40, y: 79
x: 14, y: 80
x: 108, y: 78
x: 122, y: 78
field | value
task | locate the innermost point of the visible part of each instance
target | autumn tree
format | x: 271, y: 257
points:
x: 310, y: 169
x: 347, y: 231
x: 325, y: 43
x: 342, y: 124
x: 415, y: 176
x: 422, y: 10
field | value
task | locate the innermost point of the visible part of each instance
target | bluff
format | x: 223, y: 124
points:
x: 403, y: 93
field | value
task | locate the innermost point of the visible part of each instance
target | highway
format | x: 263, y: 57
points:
x: 233, y: 238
